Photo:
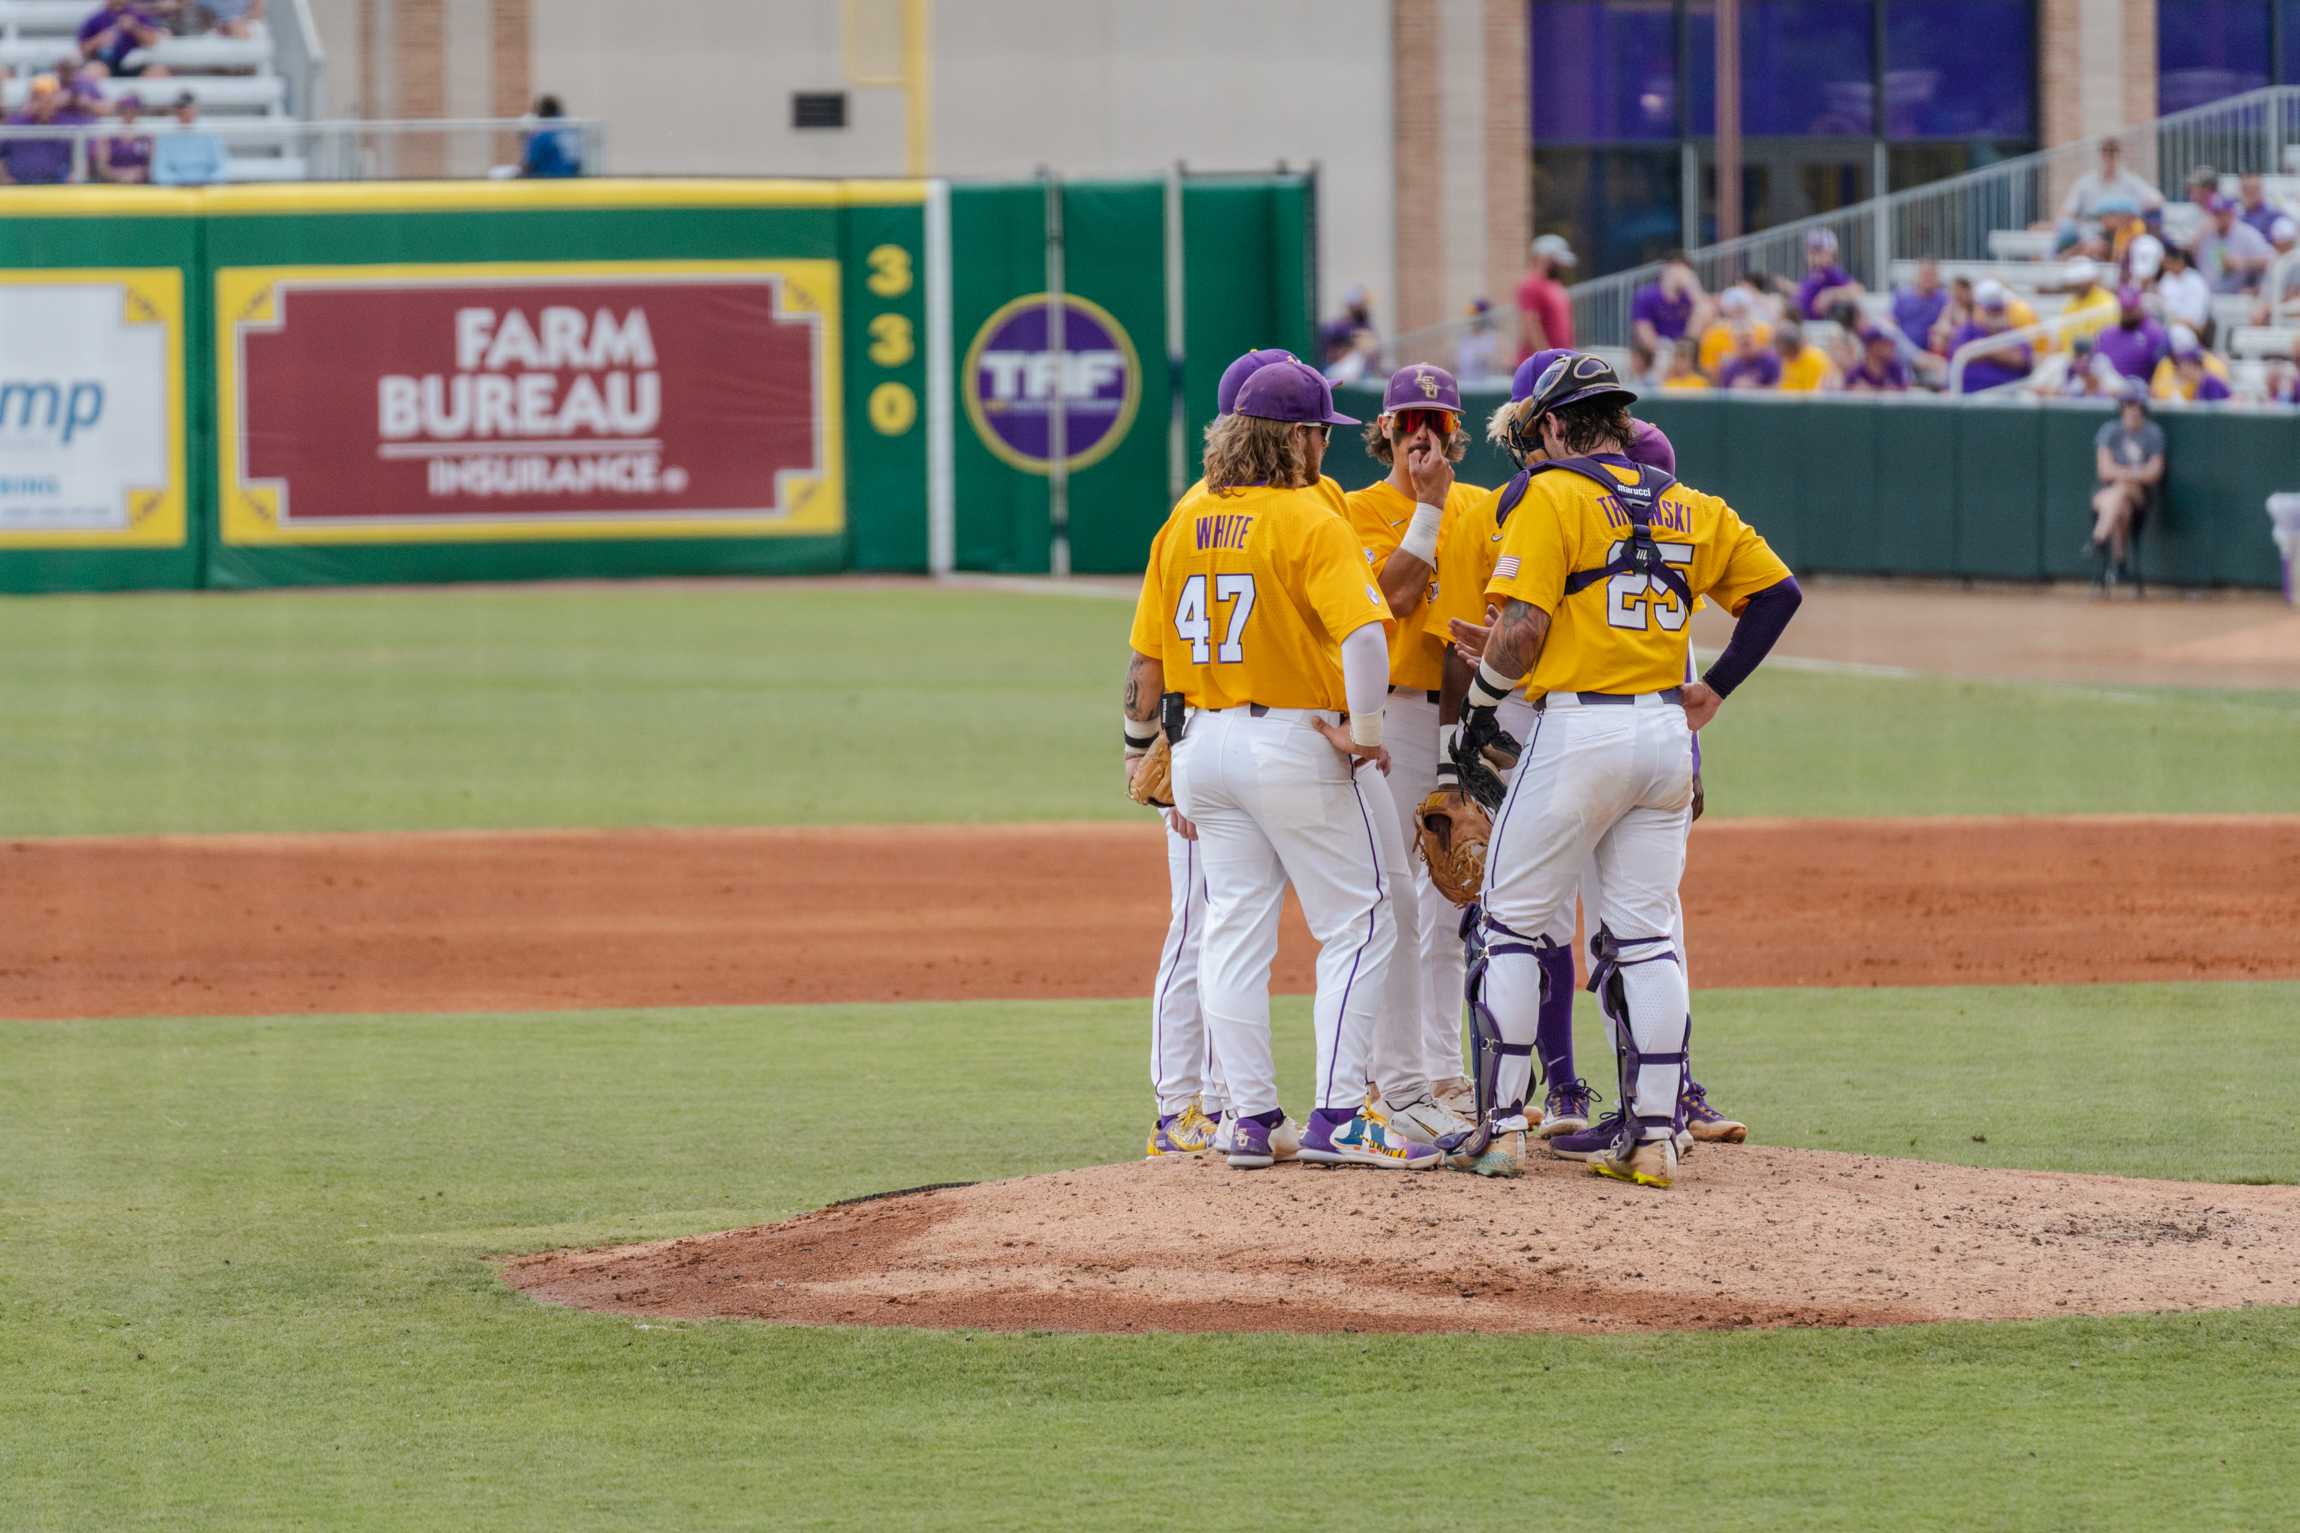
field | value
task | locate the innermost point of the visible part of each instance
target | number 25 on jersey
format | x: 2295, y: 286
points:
x: 1194, y: 620
x: 1639, y: 601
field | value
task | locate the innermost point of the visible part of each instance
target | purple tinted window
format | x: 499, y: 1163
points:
x: 1604, y: 71
x: 2209, y: 49
x: 2291, y: 74
x: 1959, y: 69
x: 1808, y: 68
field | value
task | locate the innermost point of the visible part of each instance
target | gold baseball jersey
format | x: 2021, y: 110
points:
x: 1379, y: 515
x: 1623, y: 632
x: 1248, y: 596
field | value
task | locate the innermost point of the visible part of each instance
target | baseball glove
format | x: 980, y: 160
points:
x: 1482, y: 751
x: 1153, y: 779
x: 1451, y: 828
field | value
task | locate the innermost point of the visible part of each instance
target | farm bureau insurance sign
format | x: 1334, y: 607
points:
x: 404, y: 404
x: 1009, y: 380
x: 91, y: 409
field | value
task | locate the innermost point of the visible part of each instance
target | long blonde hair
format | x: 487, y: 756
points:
x: 1244, y: 450
x: 1497, y: 430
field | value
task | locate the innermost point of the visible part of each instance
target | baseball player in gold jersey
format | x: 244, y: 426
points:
x: 1600, y: 564
x: 1403, y: 522
x: 1261, y: 646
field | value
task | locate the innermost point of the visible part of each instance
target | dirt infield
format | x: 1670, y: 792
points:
x: 1749, y: 1237
x: 255, y: 925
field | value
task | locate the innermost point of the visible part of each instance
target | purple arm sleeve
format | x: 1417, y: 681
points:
x: 1762, y: 620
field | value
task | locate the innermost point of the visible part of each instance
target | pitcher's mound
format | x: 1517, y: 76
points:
x: 1749, y: 1237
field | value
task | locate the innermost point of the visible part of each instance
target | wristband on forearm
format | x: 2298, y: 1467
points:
x: 1489, y: 688
x: 1366, y: 729
x: 1422, y: 537
x: 1141, y: 734
x: 1448, y: 774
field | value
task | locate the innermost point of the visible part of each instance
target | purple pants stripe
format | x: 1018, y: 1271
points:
x: 1373, y: 910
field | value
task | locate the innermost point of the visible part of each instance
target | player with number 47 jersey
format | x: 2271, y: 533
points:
x: 1267, y: 640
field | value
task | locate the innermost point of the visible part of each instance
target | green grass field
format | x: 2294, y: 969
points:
x: 752, y: 705
x: 244, y: 1264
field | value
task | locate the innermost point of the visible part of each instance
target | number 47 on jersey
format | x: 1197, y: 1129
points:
x: 1194, y: 619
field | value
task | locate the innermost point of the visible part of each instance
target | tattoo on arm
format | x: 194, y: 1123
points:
x: 1517, y: 639
x: 1145, y: 679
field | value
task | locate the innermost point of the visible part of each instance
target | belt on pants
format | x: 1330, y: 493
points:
x: 1600, y: 699
x: 1259, y: 711
x: 1431, y: 696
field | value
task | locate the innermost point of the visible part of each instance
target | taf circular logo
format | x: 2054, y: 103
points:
x: 1012, y: 392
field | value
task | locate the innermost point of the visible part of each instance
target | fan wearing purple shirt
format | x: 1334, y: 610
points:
x: 1667, y: 309
x: 126, y: 157
x: 40, y: 161
x: 1917, y: 309
x: 1992, y: 315
x: 1880, y: 370
x: 1754, y: 363
x: 2135, y: 343
x: 1827, y: 285
x: 115, y: 30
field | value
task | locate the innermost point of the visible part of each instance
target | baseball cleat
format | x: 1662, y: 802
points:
x: 1364, y: 1138
x: 1567, y: 1110
x: 1456, y: 1094
x: 1587, y: 1143
x: 1249, y: 1146
x: 1425, y: 1118
x: 1285, y: 1137
x: 1706, y: 1123
x: 1180, y: 1133
x: 1650, y: 1164
x: 1504, y: 1153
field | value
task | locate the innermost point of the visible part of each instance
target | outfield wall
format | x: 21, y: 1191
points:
x: 1919, y: 486
x: 407, y: 382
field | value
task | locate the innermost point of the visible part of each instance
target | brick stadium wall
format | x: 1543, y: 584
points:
x: 2098, y: 75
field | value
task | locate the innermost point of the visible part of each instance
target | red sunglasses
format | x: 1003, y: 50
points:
x: 1442, y: 422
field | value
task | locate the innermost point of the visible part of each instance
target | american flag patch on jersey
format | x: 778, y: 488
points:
x: 1506, y: 567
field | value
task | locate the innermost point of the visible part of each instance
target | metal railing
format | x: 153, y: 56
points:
x: 283, y: 149
x: 1951, y: 219
x: 301, y: 61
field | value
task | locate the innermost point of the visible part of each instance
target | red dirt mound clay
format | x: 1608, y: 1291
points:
x: 1749, y: 1237
x: 545, y: 920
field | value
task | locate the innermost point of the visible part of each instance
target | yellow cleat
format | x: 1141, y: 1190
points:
x: 1651, y: 1164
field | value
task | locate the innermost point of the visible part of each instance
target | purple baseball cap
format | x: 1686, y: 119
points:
x: 1649, y: 446
x: 1290, y: 391
x: 2128, y: 298
x: 1421, y: 388
x: 2221, y: 203
x: 1529, y: 373
x: 1235, y: 375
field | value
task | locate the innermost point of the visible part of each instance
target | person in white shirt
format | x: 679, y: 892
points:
x: 2084, y: 199
x: 2184, y: 294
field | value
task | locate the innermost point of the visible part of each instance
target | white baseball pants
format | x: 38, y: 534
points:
x: 1182, y: 1063
x: 1610, y: 783
x: 1431, y: 958
x: 1275, y: 804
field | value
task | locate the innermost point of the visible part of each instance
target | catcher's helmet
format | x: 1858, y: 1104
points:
x: 1573, y: 379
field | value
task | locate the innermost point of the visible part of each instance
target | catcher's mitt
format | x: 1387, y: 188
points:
x: 1152, y: 781
x: 1451, y: 828
x: 1481, y: 752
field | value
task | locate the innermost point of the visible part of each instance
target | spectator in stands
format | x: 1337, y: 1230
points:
x: 231, y: 18
x: 2086, y: 198
x: 116, y: 30
x: 2230, y: 252
x: 1480, y: 357
x: 552, y: 150
x: 1827, y: 287
x: 1917, y: 308
x: 2128, y: 459
x: 2121, y: 226
x: 2091, y: 308
x: 1684, y: 367
x: 1736, y: 306
x: 1754, y: 364
x: 190, y: 156
x: 2143, y: 259
x: 2135, y: 343
x: 1805, y: 368
x: 2284, y: 383
x: 2285, y: 238
x: 2253, y: 206
x: 82, y: 81
x: 2189, y: 373
x: 1955, y: 315
x: 125, y: 158
x: 1880, y: 370
x: 38, y: 161
x: 1544, y: 313
x: 1671, y: 307
x: 2089, y: 375
x: 2183, y: 295
x: 1337, y: 337
x: 2203, y: 185
x: 1997, y: 367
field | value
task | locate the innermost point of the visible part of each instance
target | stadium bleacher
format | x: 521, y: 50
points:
x: 242, y: 97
